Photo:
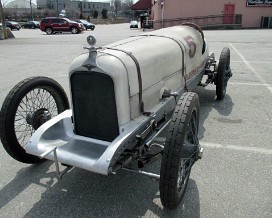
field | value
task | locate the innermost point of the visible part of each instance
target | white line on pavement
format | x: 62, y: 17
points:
x: 253, y: 62
x: 237, y: 147
x: 229, y: 147
x: 248, y: 84
x: 251, y: 68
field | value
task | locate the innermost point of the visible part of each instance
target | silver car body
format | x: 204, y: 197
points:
x: 141, y: 69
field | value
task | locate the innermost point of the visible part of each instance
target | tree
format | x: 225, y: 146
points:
x: 73, y: 12
x: 95, y: 14
x: 104, y: 13
x: 2, y: 15
x: 125, y: 7
x: 81, y: 16
x: 117, y: 6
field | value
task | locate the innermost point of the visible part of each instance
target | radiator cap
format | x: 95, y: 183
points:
x: 91, y: 40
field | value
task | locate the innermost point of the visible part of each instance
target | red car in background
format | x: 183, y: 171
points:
x: 52, y: 25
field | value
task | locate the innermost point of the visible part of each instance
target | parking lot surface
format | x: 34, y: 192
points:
x: 234, y: 178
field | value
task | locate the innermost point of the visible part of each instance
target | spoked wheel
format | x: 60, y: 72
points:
x: 31, y: 103
x: 180, y: 150
x: 223, y: 73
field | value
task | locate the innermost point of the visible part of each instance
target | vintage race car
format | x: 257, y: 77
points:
x: 123, y: 96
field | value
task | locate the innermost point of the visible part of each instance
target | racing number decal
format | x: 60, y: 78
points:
x: 192, y: 46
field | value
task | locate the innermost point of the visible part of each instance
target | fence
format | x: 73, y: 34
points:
x: 203, y: 21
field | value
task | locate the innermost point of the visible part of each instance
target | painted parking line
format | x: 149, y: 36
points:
x: 248, y: 84
x: 237, y: 147
x: 243, y: 148
x: 253, y: 62
x: 261, y: 79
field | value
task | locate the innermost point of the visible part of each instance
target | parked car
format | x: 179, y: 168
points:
x: 133, y: 24
x: 86, y: 24
x: 52, y: 25
x: 13, y: 25
x: 31, y: 25
x: 1, y: 26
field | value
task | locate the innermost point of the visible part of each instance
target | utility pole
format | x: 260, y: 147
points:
x: 31, y: 11
x: 57, y: 8
x: 3, y: 20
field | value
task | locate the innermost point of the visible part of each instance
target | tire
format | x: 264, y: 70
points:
x: 175, y: 166
x: 74, y: 30
x: 49, y: 30
x: 28, y: 105
x: 223, y: 73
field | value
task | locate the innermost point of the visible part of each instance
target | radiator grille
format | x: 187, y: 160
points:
x: 94, y: 106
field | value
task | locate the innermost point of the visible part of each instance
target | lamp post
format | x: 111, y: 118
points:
x: 57, y: 8
x: 162, y: 12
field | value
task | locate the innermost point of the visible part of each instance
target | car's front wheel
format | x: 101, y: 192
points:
x: 31, y: 103
x: 74, y: 30
x: 177, y: 159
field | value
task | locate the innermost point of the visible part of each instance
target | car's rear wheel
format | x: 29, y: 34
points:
x: 223, y: 73
x: 28, y: 105
x: 74, y: 30
x: 48, y: 30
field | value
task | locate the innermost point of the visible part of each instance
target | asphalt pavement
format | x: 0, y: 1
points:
x: 234, y: 178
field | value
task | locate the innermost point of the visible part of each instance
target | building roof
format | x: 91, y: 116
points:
x: 21, y: 4
x: 142, y: 5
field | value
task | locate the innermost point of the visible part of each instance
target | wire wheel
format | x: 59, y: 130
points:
x: 28, y: 105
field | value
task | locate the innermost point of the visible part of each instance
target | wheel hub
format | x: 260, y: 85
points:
x: 38, y: 118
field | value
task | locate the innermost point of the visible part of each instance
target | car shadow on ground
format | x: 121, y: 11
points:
x: 84, y: 194
x: 208, y: 102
